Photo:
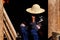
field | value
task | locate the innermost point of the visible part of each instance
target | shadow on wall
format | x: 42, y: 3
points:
x: 55, y: 36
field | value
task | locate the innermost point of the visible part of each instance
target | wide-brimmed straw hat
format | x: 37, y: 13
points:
x: 36, y: 9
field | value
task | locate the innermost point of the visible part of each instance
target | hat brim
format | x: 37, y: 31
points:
x: 35, y: 12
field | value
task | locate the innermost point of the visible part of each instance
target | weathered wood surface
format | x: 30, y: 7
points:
x: 1, y: 20
x: 53, y: 17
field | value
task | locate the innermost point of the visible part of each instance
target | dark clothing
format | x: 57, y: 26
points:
x: 24, y: 33
x: 33, y: 32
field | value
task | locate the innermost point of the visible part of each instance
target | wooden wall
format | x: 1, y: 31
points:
x: 1, y: 20
x: 53, y: 17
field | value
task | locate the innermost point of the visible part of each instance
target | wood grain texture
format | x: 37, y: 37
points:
x: 53, y: 17
x: 1, y: 20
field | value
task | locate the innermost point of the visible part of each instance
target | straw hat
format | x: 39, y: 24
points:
x: 36, y: 9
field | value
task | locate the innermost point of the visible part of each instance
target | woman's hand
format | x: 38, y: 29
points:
x: 38, y: 26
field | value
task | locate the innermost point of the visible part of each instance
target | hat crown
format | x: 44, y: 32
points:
x: 35, y: 7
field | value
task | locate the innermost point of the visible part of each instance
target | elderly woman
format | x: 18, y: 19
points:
x: 34, y: 29
x: 34, y: 10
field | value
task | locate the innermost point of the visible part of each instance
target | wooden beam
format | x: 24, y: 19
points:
x: 53, y: 17
x: 1, y: 20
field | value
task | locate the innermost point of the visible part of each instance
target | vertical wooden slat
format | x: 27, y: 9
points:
x: 53, y: 17
x: 1, y: 20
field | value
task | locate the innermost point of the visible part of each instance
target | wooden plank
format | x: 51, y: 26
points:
x: 10, y: 25
x: 53, y: 17
x: 7, y: 33
x: 1, y: 20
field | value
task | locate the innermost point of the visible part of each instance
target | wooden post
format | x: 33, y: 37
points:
x: 1, y: 20
x: 53, y: 17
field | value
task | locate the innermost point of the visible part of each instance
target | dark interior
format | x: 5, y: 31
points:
x: 16, y: 10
